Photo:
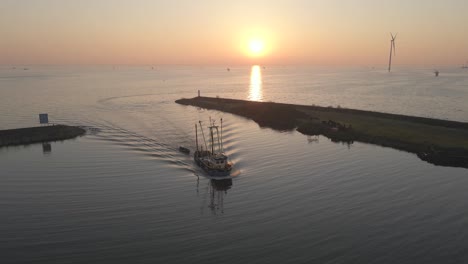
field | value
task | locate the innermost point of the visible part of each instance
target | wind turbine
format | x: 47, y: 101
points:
x: 392, y: 51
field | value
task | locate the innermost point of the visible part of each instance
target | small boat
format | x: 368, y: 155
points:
x: 184, y: 150
x: 212, y: 159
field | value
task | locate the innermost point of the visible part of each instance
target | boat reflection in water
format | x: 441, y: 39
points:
x: 255, y: 87
x: 46, y: 148
x: 216, y: 190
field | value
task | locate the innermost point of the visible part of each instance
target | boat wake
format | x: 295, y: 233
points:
x: 155, y: 130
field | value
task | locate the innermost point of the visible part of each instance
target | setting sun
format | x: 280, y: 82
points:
x: 256, y: 47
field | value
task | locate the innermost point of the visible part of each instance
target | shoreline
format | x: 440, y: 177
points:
x: 439, y: 142
x: 31, y: 135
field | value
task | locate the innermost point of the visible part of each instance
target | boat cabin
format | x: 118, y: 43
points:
x: 219, y: 161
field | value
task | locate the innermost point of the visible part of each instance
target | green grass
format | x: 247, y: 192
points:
x: 414, y: 132
x: 439, y: 142
x: 404, y: 131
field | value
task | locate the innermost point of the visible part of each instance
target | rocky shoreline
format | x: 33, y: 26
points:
x: 30, y: 135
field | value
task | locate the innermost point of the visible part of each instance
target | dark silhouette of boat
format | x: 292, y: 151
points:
x: 212, y: 159
x: 184, y: 150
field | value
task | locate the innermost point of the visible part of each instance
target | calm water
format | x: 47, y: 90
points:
x: 125, y: 194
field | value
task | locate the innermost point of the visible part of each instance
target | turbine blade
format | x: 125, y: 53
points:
x: 394, y: 49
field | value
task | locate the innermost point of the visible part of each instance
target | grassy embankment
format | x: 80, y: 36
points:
x: 24, y: 136
x: 440, y: 142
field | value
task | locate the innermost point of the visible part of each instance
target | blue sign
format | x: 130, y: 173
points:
x: 43, y: 118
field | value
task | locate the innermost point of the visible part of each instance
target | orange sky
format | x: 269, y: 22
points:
x: 334, y: 32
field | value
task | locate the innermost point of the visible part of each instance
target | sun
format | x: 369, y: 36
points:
x: 256, y: 47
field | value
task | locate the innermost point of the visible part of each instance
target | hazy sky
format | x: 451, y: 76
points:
x: 321, y: 32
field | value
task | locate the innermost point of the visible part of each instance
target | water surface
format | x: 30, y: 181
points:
x: 125, y: 194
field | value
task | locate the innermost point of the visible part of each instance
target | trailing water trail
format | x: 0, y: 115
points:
x: 152, y: 131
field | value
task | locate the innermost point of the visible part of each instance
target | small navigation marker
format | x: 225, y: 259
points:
x: 43, y: 119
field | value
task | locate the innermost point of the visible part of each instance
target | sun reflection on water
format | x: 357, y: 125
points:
x: 255, y: 91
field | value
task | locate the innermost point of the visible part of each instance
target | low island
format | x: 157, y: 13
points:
x: 24, y: 136
x: 440, y: 142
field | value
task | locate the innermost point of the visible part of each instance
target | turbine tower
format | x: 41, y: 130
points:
x: 392, y: 51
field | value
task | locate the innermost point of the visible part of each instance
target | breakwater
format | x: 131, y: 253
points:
x: 440, y: 142
x: 24, y: 136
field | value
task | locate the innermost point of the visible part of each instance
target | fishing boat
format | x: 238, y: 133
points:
x: 212, y: 158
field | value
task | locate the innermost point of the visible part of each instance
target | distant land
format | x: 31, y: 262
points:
x: 440, y: 142
x: 30, y: 135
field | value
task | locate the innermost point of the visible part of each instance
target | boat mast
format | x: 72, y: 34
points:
x: 203, y: 134
x: 212, y: 140
x: 217, y: 136
x: 196, y: 136
x: 222, y: 149
x: 211, y: 136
